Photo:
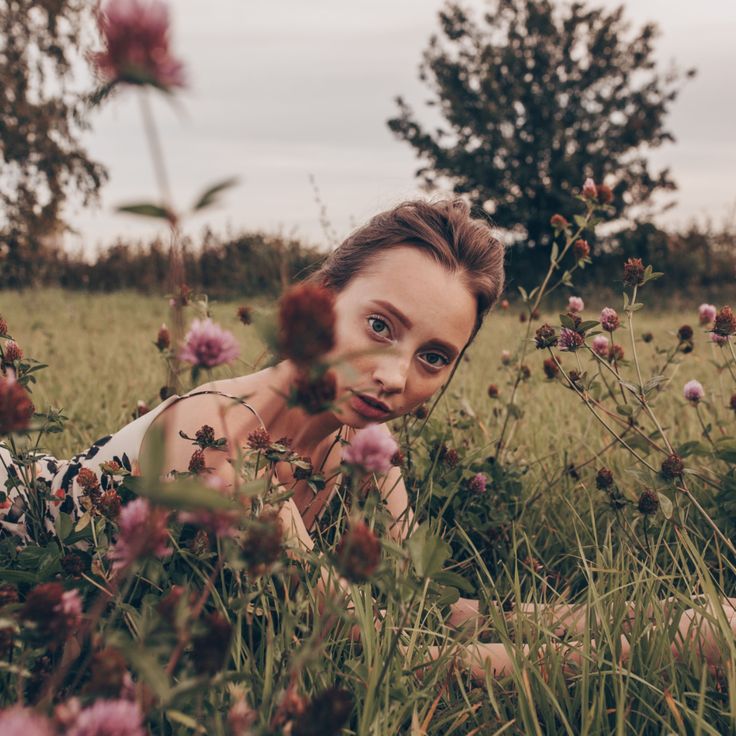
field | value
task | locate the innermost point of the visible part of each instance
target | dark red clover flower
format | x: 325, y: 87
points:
x: 12, y: 352
x: 558, y: 222
x: 604, y: 479
x: 633, y: 272
x: 358, y: 553
x: 245, y: 315
x: 326, y: 715
x: 648, y: 503
x: 545, y: 337
x: 306, y: 323
x: 259, y: 439
x: 314, y: 394
x: 581, y: 248
x: 16, y: 407
x: 725, y: 322
x: 136, y: 45
x: 550, y: 368
x: 685, y: 333
x: 672, y: 467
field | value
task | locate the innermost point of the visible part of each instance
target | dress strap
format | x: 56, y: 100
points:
x: 227, y: 396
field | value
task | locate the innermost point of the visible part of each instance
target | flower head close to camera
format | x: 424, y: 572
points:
x: 207, y: 345
x: 706, y: 313
x: 19, y: 721
x: 358, y: 553
x: 371, y: 450
x: 600, y: 345
x: 16, y: 407
x: 609, y: 319
x: 306, y: 323
x: 693, y: 391
x: 142, y: 532
x: 109, y: 718
x: 136, y: 51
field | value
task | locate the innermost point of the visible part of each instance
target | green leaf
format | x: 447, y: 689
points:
x: 554, y: 252
x: 587, y: 324
x: 666, y: 505
x: 580, y: 221
x: 144, y: 663
x: 183, y: 493
x: 567, y: 321
x: 145, y: 209
x: 726, y: 449
x: 63, y: 525
x: 692, y: 447
x: 209, y: 196
x: 428, y: 551
x: 454, y: 580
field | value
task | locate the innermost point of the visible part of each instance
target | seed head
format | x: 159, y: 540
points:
x: 648, y: 503
x: 604, y: 479
x: 306, y: 323
x: 633, y: 272
x: 725, y: 322
x: 358, y: 553
x: 672, y: 467
x: 581, y: 248
x: 550, y: 368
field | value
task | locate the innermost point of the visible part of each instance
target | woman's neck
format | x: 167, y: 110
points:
x: 306, y: 431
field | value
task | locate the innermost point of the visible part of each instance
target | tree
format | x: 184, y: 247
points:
x: 534, y: 99
x: 41, y: 119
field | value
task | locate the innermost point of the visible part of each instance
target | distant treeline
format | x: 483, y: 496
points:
x: 696, y: 261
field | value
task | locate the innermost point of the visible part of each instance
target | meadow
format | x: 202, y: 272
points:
x: 541, y: 532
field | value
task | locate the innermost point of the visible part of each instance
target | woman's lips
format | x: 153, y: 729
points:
x: 362, y: 407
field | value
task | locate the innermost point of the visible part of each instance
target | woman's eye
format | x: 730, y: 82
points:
x: 436, y: 359
x: 378, y: 325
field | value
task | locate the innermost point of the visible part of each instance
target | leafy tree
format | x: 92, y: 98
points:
x: 533, y: 99
x: 41, y: 118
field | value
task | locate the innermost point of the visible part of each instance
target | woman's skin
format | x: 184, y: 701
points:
x: 402, y: 323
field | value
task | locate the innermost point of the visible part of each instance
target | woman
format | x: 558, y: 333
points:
x: 411, y: 289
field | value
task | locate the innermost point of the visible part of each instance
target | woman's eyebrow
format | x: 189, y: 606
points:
x: 451, y: 349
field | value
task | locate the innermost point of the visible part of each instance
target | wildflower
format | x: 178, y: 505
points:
x: 478, y: 483
x: 17, y: 721
x: 581, y: 248
x: 302, y: 468
x: 136, y: 39
x: 326, y: 715
x: 371, y: 449
x: 87, y: 480
x: 163, y: 339
x: 109, y: 504
x: 205, y: 436
x: 550, y: 368
x: 693, y: 391
x: 525, y: 372
x: 576, y: 379
x: 603, y: 479
x: 685, y: 333
x: 575, y: 304
x: 505, y: 357
x: 259, y: 439
x: 450, y: 457
x: 605, y: 194
x: 558, y: 222
x: 141, y: 531
x: 262, y: 543
x: 208, y: 345
x: 358, y: 553
x: 600, y: 346
x: 648, y: 503
x: 108, y: 670
x: 719, y: 340
x: 55, y: 613
x: 706, y: 313
x: 590, y: 191
x: 165, y: 391
x: 314, y: 394
x: 8, y: 594
x: 110, y: 467
x: 16, y: 407
x: 615, y: 353
x: 212, y: 647
x: 421, y: 411
x: 3, y: 327
x: 109, y: 718
x: 633, y: 272
x: 522, y: 317
x: 245, y: 315
x: 240, y: 717
x: 12, y: 352
x: 504, y: 304
x: 73, y: 564
x: 534, y: 315
x: 196, y: 462
x: 291, y: 706
x: 570, y: 339
x: 609, y: 319
x: 647, y: 336
x: 141, y: 408
x: 725, y: 322
x: 672, y: 467
x: 306, y: 323
x: 545, y: 337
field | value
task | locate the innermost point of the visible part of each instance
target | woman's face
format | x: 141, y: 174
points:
x: 401, y: 324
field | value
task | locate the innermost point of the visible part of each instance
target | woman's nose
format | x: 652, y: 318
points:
x: 391, y: 374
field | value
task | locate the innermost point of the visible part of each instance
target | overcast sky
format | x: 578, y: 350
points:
x: 285, y: 89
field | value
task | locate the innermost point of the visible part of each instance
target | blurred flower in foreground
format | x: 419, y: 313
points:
x: 326, y: 715
x: 136, y: 39
x: 142, y: 531
x: 16, y: 407
x: 208, y: 345
x: 706, y: 313
x: 358, y: 553
x: 24, y: 722
x: 306, y: 323
x: 371, y: 449
x: 575, y: 304
x: 693, y: 391
x: 109, y: 718
x: 609, y: 319
x: 600, y: 345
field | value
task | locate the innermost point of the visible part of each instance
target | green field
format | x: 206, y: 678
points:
x: 564, y: 542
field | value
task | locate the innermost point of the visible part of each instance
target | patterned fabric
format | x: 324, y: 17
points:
x: 60, y: 477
